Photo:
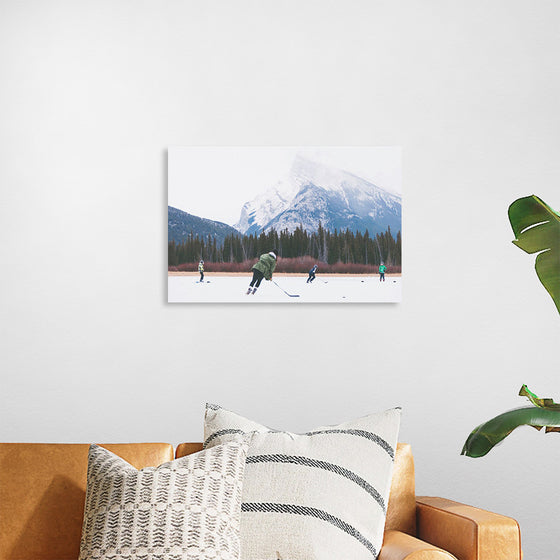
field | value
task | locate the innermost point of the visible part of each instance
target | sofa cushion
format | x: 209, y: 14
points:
x: 186, y: 509
x: 322, y: 494
x: 42, y: 492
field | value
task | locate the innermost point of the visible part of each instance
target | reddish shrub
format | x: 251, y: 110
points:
x: 299, y: 265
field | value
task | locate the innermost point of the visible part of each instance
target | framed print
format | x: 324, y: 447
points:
x: 284, y: 224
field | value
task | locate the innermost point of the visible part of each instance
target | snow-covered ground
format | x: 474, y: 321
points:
x: 344, y: 289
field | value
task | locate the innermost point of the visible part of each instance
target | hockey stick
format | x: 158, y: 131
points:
x: 290, y: 295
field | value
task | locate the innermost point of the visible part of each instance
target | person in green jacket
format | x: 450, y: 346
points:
x: 263, y: 269
x: 382, y: 269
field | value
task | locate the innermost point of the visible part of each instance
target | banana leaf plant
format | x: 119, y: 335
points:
x: 543, y: 413
x: 536, y: 227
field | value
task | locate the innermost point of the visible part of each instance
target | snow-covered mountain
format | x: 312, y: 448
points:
x: 258, y: 212
x: 314, y: 192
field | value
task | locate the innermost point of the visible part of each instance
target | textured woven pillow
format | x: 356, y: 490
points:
x: 321, y: 495
x: 187, y: 509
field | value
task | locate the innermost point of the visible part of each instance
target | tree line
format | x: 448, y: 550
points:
x: 323, y: 246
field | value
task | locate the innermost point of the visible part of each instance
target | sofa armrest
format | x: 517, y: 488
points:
x: 401, y: 546
x: 467, y: 532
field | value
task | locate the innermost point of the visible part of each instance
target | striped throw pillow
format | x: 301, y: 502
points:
x: 316, y: 496
x: 187, y: 509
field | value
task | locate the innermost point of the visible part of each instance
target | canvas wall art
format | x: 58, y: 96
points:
x: 284, y: 224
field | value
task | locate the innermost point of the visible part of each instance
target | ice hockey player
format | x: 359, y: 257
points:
x: 312, y: 274
x: 263, y: 269
x: 201, y: 270
x: 382, y: 269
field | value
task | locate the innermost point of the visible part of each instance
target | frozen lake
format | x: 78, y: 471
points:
x: 329, y: 289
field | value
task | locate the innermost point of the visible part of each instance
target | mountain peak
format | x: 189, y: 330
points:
x: 305, y: 171
x: 316, y: 192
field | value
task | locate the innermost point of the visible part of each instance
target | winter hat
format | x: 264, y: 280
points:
x: 275, y: 251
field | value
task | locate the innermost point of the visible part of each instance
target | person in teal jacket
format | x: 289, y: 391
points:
x: 382, y: 269
x: 263, y: 269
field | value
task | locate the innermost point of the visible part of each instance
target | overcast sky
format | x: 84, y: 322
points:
x: 215, y: 182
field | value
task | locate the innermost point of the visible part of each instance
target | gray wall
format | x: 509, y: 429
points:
x: 92, y: 94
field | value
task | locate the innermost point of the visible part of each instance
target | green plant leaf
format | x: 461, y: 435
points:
x: 544, y: 413
x: 537, y: 401
x: 536, y: 227
x: 483, y: 438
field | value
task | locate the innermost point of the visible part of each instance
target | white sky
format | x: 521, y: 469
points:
x: 215, y: 182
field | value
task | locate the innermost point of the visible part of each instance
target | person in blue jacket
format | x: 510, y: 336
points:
x: 312, y: 274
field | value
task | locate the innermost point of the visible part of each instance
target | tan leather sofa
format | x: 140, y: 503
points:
x: 42, y: 492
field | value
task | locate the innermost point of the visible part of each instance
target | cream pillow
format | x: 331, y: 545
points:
x: 187, y: 509
x: 321, y: 495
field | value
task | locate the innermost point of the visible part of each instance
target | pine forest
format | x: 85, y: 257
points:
x: 338, y: 251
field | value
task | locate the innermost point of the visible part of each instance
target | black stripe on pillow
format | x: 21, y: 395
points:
x: 315, y: 463
x: 221, y: 433
x: 311, y: 512
x: 360, y: 433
